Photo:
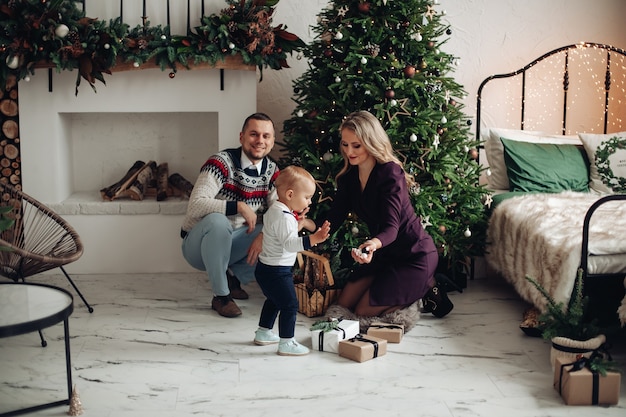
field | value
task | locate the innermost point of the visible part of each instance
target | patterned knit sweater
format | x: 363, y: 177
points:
x: 222, y: 183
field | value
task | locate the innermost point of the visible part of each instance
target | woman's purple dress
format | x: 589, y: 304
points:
x: 408, y: 258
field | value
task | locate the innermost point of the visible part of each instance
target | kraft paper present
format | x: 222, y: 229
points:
x: 362, y: 348
x: 391, y: 332
x: 584, y: 387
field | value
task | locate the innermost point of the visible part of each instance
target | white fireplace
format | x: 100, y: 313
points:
x: 72, y: 146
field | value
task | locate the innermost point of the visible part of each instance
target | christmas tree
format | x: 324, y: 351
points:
x: 386, y: 56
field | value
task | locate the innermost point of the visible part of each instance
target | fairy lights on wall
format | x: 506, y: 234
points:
x: 548, y: 87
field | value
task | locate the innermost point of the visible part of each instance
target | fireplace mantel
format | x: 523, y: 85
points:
x: 127, y: 236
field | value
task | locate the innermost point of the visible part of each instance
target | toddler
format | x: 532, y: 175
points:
x: 295, y: 188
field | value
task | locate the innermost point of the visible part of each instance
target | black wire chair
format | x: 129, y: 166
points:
x: 37, y: 241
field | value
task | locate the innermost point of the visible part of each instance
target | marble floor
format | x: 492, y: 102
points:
x: 154, y: 347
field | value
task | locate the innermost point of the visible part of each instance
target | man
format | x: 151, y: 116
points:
x: 221, y: 234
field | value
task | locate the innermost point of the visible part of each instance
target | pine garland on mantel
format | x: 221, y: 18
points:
x: 57, y: 34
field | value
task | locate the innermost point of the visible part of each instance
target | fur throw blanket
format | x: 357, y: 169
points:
x: 540, y: 235
x: 407, y: 316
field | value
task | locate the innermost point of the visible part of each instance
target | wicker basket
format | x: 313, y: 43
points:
x: 315, y: 292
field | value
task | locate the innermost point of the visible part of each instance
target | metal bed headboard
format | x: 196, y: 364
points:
x: 566, y: 81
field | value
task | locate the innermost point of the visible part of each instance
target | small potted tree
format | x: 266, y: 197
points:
x: 572, y: 333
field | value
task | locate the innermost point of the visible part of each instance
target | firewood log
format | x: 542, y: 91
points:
x: 108, y: 193
x: 179, y: 182
x: 139, y: 186
x: 161, y: 181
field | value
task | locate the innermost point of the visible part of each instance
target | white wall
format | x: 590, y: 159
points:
x: 489, y: 37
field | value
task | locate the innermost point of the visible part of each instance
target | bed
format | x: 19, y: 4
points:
x: 554, y: 136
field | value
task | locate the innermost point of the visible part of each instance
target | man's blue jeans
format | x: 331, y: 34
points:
x: 213, y: 246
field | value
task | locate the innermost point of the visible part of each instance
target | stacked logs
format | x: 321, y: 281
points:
x: 10, y: 161
x: 147, y: 179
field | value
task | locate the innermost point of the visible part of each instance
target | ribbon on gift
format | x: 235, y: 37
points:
x: 581, y: 363
x: 320, y: 337
x: 387, y: 326
x: 359, y: 337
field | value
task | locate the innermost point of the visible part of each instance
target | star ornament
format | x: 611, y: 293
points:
x: 430, y: 12
x: 426, y: 222
x: 488, y: 200
x: 421, y: 164
x: 319, y: 184
x: 402, y: 103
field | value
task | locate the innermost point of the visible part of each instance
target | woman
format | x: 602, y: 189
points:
x: 398, y: 262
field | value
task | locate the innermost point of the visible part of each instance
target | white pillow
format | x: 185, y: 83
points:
x: 607, y: 159
x: 494, y: 150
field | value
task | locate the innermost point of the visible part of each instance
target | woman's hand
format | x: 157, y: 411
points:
x: 365, y: 252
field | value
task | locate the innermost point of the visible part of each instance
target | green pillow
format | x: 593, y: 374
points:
x: 547, y: 168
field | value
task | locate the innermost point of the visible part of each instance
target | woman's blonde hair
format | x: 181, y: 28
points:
x: 291, y: 176
x: 368, y: 129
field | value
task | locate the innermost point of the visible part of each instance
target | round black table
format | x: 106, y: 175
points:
x: 30, y: 307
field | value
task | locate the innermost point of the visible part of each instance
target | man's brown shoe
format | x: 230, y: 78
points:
x: 234, y: 286
x: 225, y: 306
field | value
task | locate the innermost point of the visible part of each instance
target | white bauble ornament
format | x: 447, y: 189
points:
x: 467, y: 232
x: 444, y: 120
x: 413, y: 137
x: 418, y: 37
x: 363, y: 60
x: 27, y: 78
x: 231, y: 45
x: 107, y: 46
x: 13, y: 62
x: 136, y: 64
x: 327, y: 156
x: 61, y: 31
x: 337, y: 79
x: 355, y: 230
x: 300, y: 113
x: 339, y: 36
x: 163, y: 37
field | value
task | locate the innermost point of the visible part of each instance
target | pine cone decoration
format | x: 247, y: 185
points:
x: 232, y: 26
x: 373, y: 50
x: 73, y: 37
x: 229, y: 11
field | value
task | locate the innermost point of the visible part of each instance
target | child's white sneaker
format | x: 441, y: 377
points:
x: 265, y: 337
x: 292, y: 348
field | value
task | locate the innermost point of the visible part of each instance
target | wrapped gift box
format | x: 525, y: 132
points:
x: 392, y: 333
x: 328, y: 341
x: 362, y: 348
x: 584, y: 387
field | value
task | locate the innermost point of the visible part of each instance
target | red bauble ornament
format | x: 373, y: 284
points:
x: 364, y: 7
x: 473, y: 153
x: 328, y: 53
x: 172, y: 74
x: 409, y: 71
x: 389, y: 93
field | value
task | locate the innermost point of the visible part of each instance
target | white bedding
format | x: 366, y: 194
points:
x: 540, y: 235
